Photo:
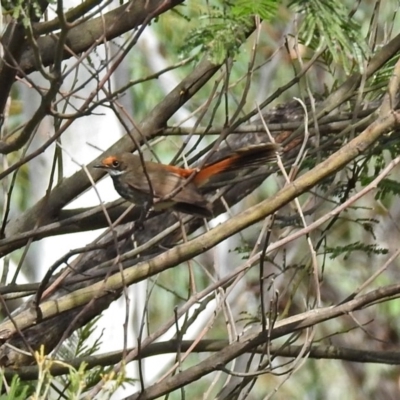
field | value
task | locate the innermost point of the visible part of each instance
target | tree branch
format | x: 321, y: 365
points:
x: 97, y: 30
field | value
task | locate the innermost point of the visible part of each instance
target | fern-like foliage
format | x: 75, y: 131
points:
x: 265, y: 9
x: 77, y: 345
x: 378, y: 82
x: 347, y: 250
x: 16, y: 391
x: 327, y: 23
x: 222, y: 28
x: 387, y: 186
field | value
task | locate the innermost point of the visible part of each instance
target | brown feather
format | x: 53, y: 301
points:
x: 247, y: 157
x: 157, y: 181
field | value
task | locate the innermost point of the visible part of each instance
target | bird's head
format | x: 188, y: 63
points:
x: 114, y: 165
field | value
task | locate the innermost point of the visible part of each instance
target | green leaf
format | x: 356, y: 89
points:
x: 328, y: 24
x: 265, y: 9
x: 346, y: 250
x: 221, y: 29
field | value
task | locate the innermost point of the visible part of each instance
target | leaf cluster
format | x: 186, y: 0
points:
x: 17, y: 390
x: 222, y: 27
x: 347, y: 250
x: 329, y: 25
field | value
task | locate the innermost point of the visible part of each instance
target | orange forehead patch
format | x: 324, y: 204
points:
x: 108, y: 160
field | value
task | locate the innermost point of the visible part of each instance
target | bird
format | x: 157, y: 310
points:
x: 159, y: 186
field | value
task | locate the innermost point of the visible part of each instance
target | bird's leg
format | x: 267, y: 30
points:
x: 139, y: 222
x: 145, y: 211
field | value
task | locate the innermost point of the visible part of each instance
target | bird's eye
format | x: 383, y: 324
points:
x: 115, y: 163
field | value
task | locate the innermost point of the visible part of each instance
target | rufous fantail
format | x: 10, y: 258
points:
x: 131, y: 178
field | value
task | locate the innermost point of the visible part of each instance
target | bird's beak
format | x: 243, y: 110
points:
x: 99, y: 166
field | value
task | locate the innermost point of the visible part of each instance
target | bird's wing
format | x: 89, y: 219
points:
x: 167, y: 179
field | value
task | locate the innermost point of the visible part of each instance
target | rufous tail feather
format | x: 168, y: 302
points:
x: 253, y: 156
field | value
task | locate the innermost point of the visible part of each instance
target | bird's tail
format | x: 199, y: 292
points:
x: 247, y: 157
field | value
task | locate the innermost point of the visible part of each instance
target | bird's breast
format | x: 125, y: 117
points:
x: 130, y: 193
